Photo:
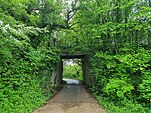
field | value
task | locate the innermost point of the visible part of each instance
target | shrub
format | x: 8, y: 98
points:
x: 123, y: 76
x: 25, y: 72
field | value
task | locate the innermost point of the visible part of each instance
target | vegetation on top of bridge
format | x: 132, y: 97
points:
x: 114, y: 33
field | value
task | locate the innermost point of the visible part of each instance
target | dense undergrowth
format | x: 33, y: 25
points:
x: 122, y: 81
x: 25, y: 71
x: 73, y: 72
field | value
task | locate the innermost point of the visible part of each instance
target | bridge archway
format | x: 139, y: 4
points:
x: 58, y: 72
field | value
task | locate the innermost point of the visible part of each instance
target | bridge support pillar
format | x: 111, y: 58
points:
x: 57, y: 74
x: 86, y: 72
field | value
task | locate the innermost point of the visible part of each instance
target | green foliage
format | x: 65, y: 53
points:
x: 26, y: 81
x: 25, y: 72
x: 117, y: 88
x: 73, y: 72
x: 145, y: 88
x: 124, y: 106
x: 124, y: 76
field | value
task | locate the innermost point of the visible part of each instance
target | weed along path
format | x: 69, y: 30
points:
x: 73, y: 98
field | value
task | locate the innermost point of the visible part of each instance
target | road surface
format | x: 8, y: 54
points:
x: 73, y: 98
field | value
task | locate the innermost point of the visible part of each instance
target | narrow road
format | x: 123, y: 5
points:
x: 73, y: 98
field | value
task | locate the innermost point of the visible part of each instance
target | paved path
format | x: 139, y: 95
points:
x: 71, y: 99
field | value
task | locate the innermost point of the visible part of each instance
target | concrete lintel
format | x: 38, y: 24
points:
x: 72, y: 56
